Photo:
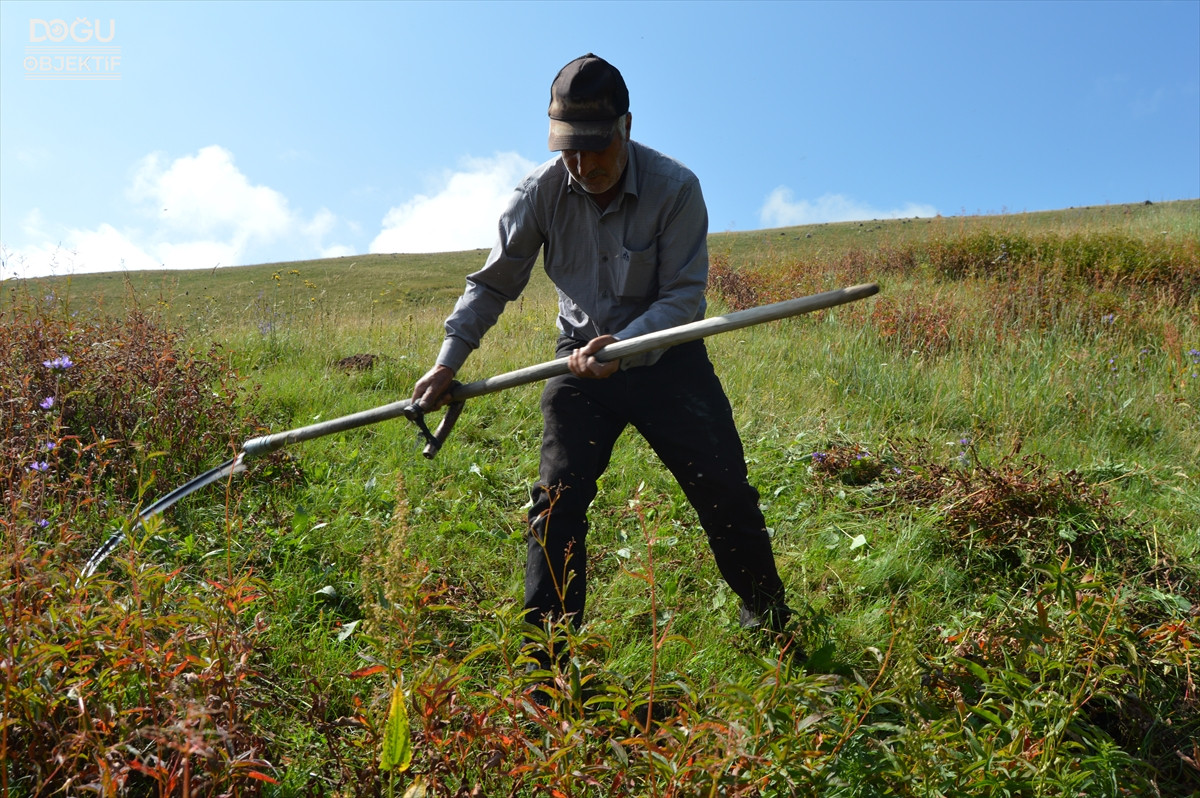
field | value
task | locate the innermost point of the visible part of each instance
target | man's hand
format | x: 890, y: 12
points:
x: 433, y: 390
x: 583, y: 364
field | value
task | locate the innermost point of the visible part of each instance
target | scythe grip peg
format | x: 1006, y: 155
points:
x: 434, y: 440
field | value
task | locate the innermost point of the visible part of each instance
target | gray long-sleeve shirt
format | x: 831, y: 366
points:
x: 639, y: 266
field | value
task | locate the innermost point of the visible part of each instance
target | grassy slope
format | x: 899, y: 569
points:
x: 813, y: 241
x: 371, y: 512
x: 791, y: 398
x: 390, y: 285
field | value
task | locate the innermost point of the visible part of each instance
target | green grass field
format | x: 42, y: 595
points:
x: 983, y: 486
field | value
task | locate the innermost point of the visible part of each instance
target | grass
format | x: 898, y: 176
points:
x: 982, y: 486
x: 1179, y: 220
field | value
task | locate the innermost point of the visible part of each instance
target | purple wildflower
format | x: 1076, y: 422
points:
x: 1194, y: 354
x: 61, y: 363
x: 47, y: 403
x: 40, y: 465
x: 819, y: 457
x: 50, y: 446
x: 1108, y: 318
x: 963, y: 458
x: 43, y: 523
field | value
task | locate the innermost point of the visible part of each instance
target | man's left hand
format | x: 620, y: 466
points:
x: 583, y: 363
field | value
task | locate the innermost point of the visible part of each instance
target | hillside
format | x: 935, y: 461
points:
x: 982, y: 485
x: 390, y: 284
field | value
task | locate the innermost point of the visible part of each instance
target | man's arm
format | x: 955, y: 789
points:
x: 502, y: 279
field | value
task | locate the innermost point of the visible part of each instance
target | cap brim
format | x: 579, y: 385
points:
x: 594, y: 136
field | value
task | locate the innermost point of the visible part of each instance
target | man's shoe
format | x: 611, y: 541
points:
x: 772, y: 619
x: 540, y: 698
x: 771, y: 625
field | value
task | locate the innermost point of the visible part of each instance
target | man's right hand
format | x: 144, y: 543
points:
x: 433, y: 390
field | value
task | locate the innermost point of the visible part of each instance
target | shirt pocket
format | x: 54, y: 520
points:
x: 638, y: 273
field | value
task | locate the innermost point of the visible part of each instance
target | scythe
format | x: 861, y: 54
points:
x: 256, y: 447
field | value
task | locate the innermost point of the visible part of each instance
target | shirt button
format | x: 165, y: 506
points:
x: 604, y: 259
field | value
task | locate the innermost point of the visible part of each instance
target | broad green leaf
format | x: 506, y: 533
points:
x: 990, y: 716
x: 397, y: 741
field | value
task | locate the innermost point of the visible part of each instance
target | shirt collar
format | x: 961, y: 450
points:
x: 630, y: 178
x: 631, y: 175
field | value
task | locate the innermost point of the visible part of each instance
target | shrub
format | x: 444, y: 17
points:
x: 118, y: 405
x: 1023, y: 282
x: 1064, y: 692
x: 138, y: 684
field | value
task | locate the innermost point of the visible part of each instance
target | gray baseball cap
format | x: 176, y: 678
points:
x: 587, y: 97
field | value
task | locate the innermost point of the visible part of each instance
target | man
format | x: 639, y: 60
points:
x: 623, y: 231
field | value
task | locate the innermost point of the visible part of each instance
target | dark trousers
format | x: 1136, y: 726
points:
x: 680, y: 408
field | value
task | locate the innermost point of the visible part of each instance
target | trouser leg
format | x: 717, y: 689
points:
x: 687, y: 420
x: 579, y: 431
x: 679, y: 406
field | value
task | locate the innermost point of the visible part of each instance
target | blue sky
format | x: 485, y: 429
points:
x: 238, y: 133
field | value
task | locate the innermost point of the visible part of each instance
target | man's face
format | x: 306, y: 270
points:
x: 599, y: 170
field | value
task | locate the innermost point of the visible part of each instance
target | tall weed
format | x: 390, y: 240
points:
x: 137, y: 684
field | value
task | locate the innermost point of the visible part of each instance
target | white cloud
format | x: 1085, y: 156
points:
x: 197, y: 254
x: 206, y: 195
x: 108, y: 249
x: 320, y: 225
x: 34, y: 224
x: 200, y: 211
x: 463, y: 212
x: 338, y: 251
x: 781, y: 209
x: 102, y: 249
